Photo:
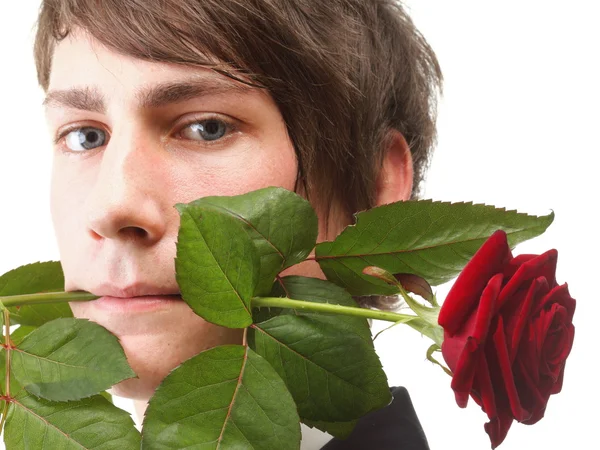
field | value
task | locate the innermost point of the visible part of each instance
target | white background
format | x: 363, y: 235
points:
x: 518, y: 128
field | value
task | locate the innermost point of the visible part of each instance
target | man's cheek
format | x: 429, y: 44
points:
x: 70, y: 232
x: 67, y: 198
x: 305, y: 269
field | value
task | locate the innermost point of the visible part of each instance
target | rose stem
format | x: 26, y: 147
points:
x: 278, y: 302
x: 7, y: 349
x: 47, y: 297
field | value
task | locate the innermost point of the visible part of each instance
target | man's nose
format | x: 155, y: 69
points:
x: 125, y: 200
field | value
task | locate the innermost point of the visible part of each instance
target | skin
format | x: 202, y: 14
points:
x: 112, y: 205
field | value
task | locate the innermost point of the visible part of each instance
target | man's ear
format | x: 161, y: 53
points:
x: 395, y: 179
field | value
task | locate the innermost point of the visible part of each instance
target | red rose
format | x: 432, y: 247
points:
x: 507, y: 333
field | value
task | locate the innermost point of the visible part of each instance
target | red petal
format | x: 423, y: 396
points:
x: 522, y: 315
x: 508, y: 377
x: 543, y: 265
x: 465, y: 293
x: 536, y: 401
x: 497, y: 428
x: 559, y: 383
x: 475, y: 331
x: 558, y: 342
x: 559, y: 294
x: 462, y: 379
x: 513, y: 265
x: 486, y: 308
x: 452, y: 347
x: 486, y: 388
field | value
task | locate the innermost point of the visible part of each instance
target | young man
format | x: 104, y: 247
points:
x: 161, y: 102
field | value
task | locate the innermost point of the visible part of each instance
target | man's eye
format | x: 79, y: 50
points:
x: 205, y: 130
x: 86, y: 138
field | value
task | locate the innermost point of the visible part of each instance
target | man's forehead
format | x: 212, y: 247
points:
x: 88, y: 69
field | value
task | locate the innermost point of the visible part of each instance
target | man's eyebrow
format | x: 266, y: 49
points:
x: 156, y: 96
x: 164, y: 94
x: 87, y: 98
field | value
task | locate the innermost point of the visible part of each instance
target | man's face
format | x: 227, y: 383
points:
x: 136, y: 138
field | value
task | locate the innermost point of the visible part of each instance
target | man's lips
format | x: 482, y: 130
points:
x: 146, y: 303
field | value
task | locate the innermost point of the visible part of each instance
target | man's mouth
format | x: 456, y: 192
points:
x: 145, y: 303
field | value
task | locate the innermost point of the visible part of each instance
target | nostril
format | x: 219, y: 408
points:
x: 134, y: 232
x: 146, y: 225
x: 95, y: 236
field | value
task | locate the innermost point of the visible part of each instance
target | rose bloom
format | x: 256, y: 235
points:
x: 507, y: 334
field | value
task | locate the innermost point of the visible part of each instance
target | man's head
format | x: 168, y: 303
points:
x: 157, y: 102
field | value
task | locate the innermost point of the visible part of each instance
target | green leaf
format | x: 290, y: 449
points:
x: 430, y: 351
x: 223, y: 398
x: 2, y: 370
x: 19, y: 334
x: 32, y: 279
x: 69, y: 359
x: 16, y: 337
x: 340, y: 430
x: 317, y: 291
x: 107, y: 396
x: 433, y: 240
x: 327, y: 361
x: 93, y: 423
x: 217, y: 266
x: 282, y: 225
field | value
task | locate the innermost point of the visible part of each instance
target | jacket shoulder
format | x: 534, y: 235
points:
x: 394, y: 427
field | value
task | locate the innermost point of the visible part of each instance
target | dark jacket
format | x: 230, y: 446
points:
x: 395, y: 427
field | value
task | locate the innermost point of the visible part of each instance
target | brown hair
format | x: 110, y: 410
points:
x: 342, y: 72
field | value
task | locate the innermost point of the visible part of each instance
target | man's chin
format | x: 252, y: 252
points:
x: 134, y: 389
x: 153, y: 352
x: 157, y: 342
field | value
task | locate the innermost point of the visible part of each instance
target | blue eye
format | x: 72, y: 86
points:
x: 205, y: 130
x: 86, y: 138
